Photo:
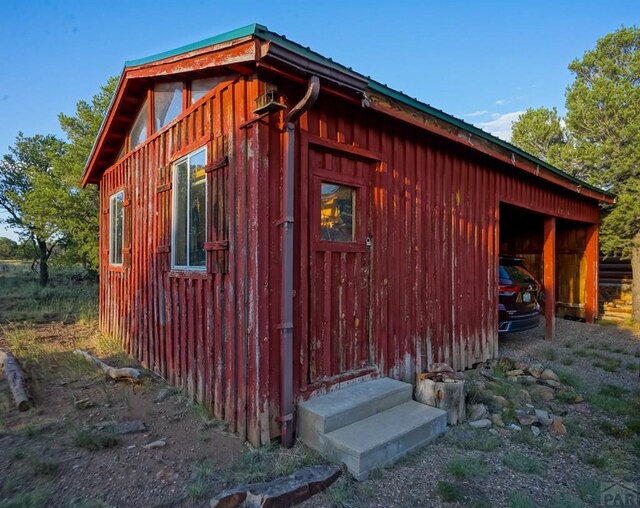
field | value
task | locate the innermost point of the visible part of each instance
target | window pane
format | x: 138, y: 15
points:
x: 200, y: 87
x: 167, y: 102
x: 198, y: 214
x: 139, y: 129
x: 180, y: 215
x: 116, y: 228
x: 337, y: 203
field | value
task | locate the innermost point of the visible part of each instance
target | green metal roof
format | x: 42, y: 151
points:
x: 264, y: 33
x: 245, y: 31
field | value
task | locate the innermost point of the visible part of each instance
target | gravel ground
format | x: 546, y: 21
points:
x: 620, y: 343
x: 565, y: 471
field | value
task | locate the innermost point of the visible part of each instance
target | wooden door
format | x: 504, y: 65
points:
x: 338, y: 265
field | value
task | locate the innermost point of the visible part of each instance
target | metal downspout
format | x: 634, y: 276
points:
x: 288, y: 177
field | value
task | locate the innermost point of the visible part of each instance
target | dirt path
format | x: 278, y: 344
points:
x: 67, y: 451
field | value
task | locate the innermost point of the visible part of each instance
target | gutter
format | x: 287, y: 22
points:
x: 286, y: 223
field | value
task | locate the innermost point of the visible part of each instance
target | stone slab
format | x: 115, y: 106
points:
x: 321, y: 415
x: 385, y: 437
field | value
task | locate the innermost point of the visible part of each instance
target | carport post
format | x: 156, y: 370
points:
x: 549, y: 275
x: 591, y: 277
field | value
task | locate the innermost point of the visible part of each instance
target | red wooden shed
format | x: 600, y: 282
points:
x: 275, y: 225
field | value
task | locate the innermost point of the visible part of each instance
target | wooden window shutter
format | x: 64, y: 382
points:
x: 218, y: 177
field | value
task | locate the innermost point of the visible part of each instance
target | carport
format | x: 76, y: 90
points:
x: 561, y: 253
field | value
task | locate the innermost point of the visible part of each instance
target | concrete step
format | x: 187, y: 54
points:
x: 319, y: 416
x: 385, y: 437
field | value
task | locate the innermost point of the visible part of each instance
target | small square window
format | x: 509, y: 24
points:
x: 116, y: 228
x: 337, y: 208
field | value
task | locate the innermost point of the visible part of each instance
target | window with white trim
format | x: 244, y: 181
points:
x: 116, y: 228
x: 189, y: 212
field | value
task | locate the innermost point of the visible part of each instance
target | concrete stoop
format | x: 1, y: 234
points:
x: 368, y: 425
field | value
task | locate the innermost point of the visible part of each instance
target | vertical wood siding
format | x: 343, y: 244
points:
x: 200, y: 330
x: 434, y: 222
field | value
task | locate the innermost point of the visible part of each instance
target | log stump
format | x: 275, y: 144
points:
x: 446, y: 395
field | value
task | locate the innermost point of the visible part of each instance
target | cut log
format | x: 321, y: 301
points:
x: 112, y: 372
x: 448, y: 396
x: 289, y: 491
x: 15, y: 378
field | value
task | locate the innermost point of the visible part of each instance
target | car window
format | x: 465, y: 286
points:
x: 516, y: 274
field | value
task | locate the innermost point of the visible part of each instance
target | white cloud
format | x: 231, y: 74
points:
x: 477, y: 113
x: 500, y: 102
x: 501, y: 125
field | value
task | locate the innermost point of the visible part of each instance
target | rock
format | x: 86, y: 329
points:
x: 512, y: 379
x: 440, y: 367
x: 545, y: 392
x: 526, y: 420
x: 579, y: 398
x: 521, y: 365
x: 549, y: 374
x: 546, y: 421
x: 516, y: 372
x: 481, y: 424
x: 493, y: 431
x: 167, y: 475
x: 581, y: 408
x: 478, y: 412
x: 541, y: 413
x: 525, y: 395
x: 129, y: 427
x: 501, y: 400
x: 557, y: 408
x: 527, y: 380
x: 534, y: 372
x: 288, y: 491
x: 558, y: 427
x: 552, y: 383
x: 535, y: 431
x: 156, y: 444
x: 513, y: 426
x: 497, y: 420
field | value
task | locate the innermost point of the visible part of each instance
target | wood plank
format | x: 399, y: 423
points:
x: 549, y: 256
x: 591, y: 278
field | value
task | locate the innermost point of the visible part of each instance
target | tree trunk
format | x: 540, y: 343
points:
x: 635, y: 286
x: 43, y: 256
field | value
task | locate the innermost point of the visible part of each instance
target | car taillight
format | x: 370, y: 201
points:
x: 507, y: 289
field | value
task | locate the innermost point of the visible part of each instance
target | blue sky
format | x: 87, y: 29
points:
x: 483, y: 61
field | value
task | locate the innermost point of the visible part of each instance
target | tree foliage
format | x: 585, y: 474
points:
x: 603, y: 110
x: 80, y: 222
x: 31, y: 194
x: 8, y: 248
x: 40, y: 187
x: 540, y: 132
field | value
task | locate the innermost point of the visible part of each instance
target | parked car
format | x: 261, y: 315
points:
x: 519, y: 297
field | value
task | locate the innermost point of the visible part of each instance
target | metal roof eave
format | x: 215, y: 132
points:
x: 356, y: 79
